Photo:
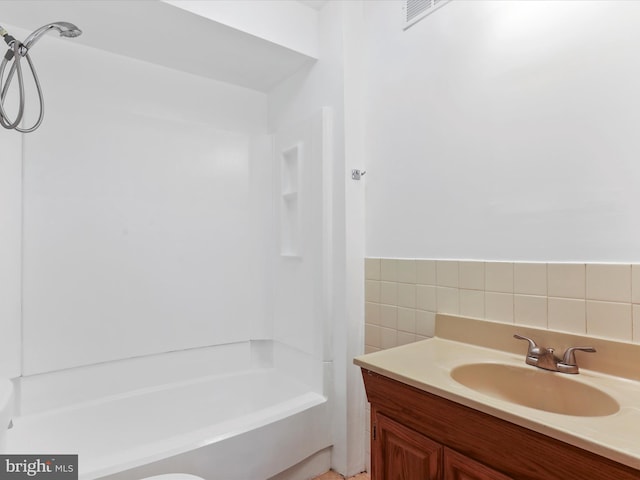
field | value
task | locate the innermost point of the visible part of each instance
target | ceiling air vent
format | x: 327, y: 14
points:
x: 415, y: 10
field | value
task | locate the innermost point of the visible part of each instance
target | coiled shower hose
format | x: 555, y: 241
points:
x: 17, y: 51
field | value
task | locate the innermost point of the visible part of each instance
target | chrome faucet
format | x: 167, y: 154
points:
x: 544, y: 357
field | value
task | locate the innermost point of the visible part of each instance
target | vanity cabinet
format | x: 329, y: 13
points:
x: 400, y: 453
x: 459, y: 467
x: 416, y: 435
x: 403, y: 453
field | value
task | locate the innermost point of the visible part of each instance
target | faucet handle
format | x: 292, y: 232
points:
x: 534, y: 349
x: 569, y: 357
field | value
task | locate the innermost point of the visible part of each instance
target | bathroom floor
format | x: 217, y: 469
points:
x: 336, y: 476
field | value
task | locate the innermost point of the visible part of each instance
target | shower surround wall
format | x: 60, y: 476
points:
x: 146, y: 212
x: 10, y: 252
x: 151, y: 229
x: 142, y: 251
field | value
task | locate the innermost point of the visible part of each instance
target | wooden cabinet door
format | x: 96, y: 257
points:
x: 459, y: 467
x: 399, y: 453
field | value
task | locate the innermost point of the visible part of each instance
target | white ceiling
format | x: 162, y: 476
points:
x: 160, y: 33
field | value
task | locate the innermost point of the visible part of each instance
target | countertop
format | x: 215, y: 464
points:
x: 427, y: 364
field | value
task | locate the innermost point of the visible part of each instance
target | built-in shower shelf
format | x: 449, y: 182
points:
x: 290, y: 159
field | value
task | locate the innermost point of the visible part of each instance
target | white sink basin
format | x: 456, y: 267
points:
x: 535, y: 388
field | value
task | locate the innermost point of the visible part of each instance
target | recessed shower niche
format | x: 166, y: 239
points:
x: 290, y: 167
x: 302, y: 187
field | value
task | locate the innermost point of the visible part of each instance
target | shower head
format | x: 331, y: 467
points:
x: 65, y: 29
x: 17, y: 51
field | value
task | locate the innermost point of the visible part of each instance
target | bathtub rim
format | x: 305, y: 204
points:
x: 142, y: 454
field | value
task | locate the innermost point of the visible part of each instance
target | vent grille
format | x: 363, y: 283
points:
x: 416, y: 10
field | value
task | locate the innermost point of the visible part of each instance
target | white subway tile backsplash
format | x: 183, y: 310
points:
x: 389, y: 269
x: 610, y: 283
x: 388, y: 338
x: 635, y: 284
x: 406, y: 295
x: 406, y: 271
x: 372, y: 268
x: 610, y: 320
x: 472, y: 303
x: 372, y: 335
x: 499, y: 277
x: 389, y: 316
x: 447, y: 273
x: 530, y: 310
x: 389, y: 293
x: 447, y: 300
x: 567, y: 315
x: 498, y: 307
x: 372, y: 291
x: 566, y: 280
x: 425, y: 323
x: 407, y: 320
x: 471, y: 275
x: 372, y: 313
x: 402, y: 297
x: 426, y: 297
x: 530, y: 278
x: 426, y: 272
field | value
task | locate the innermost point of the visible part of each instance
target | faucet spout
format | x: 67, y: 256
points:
x: 548, y: 360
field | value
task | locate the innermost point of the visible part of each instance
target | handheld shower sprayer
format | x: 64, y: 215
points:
x: 16, y: 52
x: 65, y: 29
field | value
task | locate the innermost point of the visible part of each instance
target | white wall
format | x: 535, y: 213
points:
x: 504, y: 130
x: 144, y: 194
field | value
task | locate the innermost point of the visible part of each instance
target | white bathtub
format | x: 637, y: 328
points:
x: 248, y: 425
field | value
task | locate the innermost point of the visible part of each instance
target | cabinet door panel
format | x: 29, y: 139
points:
x: 403, y: 454
x: 459, y: 467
